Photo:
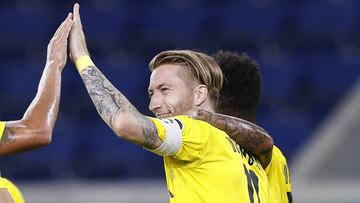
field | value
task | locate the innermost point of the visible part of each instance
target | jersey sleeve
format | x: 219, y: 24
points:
x: 281, y: 161
x: 185, y: 135
x: 278, y: 174
x: 169, y: 131
x: 2, y: 128
x: 287, y: 177
x: 12, y: 189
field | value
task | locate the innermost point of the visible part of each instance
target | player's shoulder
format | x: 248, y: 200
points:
x: 194, y: 125
x: 277, y: 155
x: 189, y: 121
x: 182, y: 121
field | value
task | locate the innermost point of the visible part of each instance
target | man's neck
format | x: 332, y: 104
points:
x: 207, y: 106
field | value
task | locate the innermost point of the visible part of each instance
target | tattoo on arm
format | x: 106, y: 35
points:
x: 248, y: 135
x: 8, y: 136
x: 148, y: 129
x: 109, y: 102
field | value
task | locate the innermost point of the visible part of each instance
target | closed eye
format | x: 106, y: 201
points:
x: 164, y: 89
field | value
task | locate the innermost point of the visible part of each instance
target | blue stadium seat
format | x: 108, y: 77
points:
x: 279, y: 72
x: 326, y: 17
x: 21, y: 74
x: 248, y: 19
x: 16, y: 25
x: 105, y: 26
x: 108, y: 156
x: 327, y: 72
x: 289, y: 128
x: 168, y: 22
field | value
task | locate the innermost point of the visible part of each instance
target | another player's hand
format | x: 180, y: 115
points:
x: 193, y: 114
x: 57, y: 47
x: 77, y: 43
x: 200, y: 114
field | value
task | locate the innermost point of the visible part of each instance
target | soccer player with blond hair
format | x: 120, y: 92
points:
x: 202, y: 164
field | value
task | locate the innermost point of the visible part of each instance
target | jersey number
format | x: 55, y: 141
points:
x: 252, y: 179
x: 253, y: 183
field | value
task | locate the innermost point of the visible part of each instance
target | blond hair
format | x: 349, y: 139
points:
x: 198, y: 66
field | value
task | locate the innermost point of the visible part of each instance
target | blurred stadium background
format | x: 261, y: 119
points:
x: 309, y: 52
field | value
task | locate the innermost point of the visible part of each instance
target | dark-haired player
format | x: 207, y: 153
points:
x: 240, y: 97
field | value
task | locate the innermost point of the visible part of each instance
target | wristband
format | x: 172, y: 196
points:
x: 83, y: 62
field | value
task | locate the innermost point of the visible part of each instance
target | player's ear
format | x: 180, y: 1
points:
x: 201, y: 94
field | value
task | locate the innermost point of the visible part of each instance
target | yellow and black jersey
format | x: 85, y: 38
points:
x: 278, y: 175
x: 5, y: 183
x: 260, y: 188
x: 13, y: 191
x: 2, y: 128
x: 202, y: 164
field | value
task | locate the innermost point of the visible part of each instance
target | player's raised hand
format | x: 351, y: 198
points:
x: 57, y: 47
x: 77, y: 38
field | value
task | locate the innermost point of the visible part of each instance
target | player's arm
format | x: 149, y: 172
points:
x: 113, y: 107
x: 251, y: 137
x: 5, y: 196
x: 35, y: 128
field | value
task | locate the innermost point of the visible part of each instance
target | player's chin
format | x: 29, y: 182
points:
x: 164, y: 116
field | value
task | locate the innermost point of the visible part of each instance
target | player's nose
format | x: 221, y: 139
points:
x: 155, y: 103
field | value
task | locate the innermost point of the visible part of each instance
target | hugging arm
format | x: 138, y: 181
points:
x: 251, y: 137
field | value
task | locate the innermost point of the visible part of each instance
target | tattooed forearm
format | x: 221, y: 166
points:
x: 149, y: 131
x: 109, y: 102
x: 8, y: 136
x: 248, y: 135
x: 106, y: 98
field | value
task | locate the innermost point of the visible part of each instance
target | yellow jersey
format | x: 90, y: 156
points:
x: 2, y: 128
x: 260, y: 185
x: 5, y: 183
x: 13, y: 191
x: 278, y: 175
x: 202, y: 164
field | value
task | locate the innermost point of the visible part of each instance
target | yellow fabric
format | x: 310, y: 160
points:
x: 160, y: 128
x: 2, y: 128
x: 207, y: 168
x: 278, y: 175
x: 12, y: 189
x: 259, y: 179
x: 5, y: 183
x: 83, y: 62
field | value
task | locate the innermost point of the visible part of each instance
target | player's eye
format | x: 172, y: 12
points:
x: 164, y: 89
